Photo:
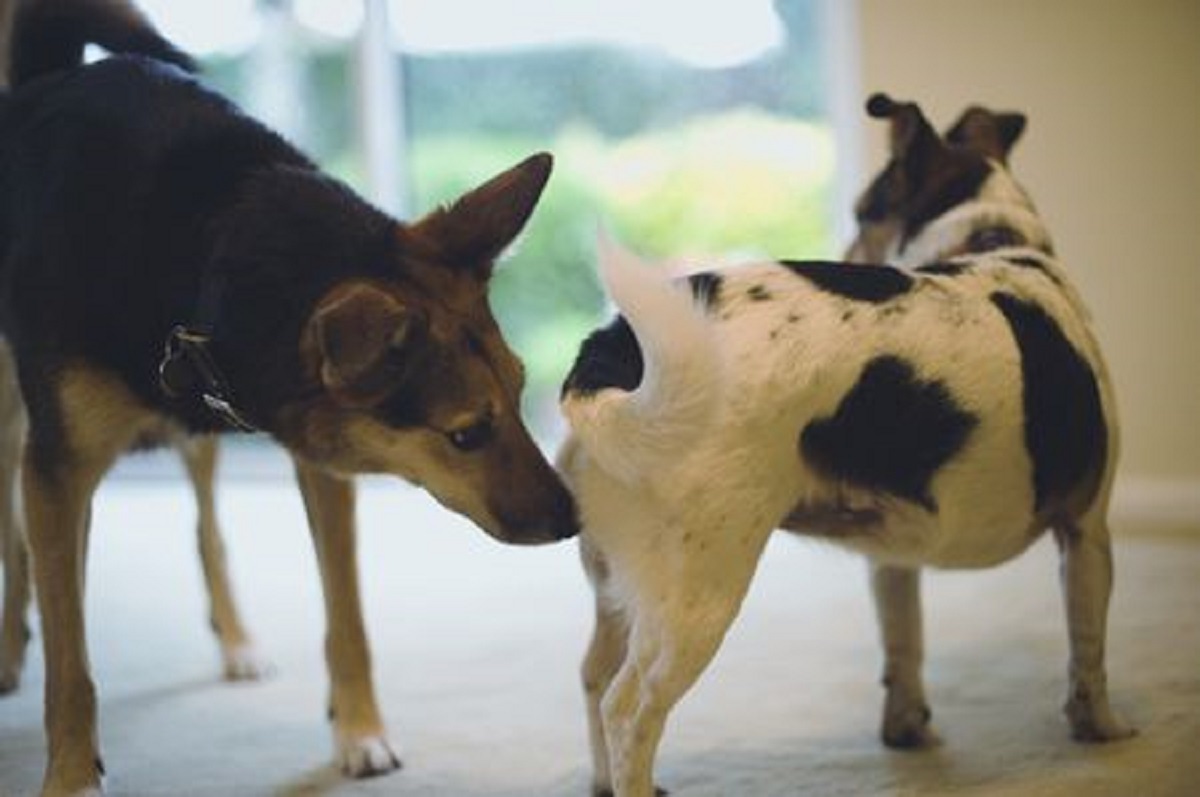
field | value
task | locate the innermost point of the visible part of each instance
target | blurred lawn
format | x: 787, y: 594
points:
x: 741, y: 184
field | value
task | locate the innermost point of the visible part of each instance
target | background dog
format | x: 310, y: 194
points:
x: 171, y: 266
x: 942, y: 414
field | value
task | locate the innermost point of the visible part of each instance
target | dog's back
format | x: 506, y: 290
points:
x: 118, y: 179
x: 849, y: 397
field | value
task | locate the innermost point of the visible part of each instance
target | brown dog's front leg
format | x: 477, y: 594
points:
x: 362, y: 746
x: 57, y: 511
x: 241, y: 659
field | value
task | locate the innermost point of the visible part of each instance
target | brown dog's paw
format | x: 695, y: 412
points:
x: 367, y: 757
x: 243, y: 663
x: 1093, y: 726
x: 608, y: 792
x: 1092, y: 720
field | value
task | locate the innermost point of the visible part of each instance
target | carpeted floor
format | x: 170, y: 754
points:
x: 477, y: 649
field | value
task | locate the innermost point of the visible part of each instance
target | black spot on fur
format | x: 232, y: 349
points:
x: 892, y: 432
x: 1034, y: 263
x: 858, y: 282
x: 945, y: 269
x: 1064, y: 421
x: 706, y: 287
x: 758, y: 293
x: 609, y: 357
x: 989, y: 239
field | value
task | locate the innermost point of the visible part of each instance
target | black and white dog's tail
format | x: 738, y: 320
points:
x: 634, y: 433
x: 50, y: 35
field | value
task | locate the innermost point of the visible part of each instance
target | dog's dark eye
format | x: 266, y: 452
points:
x: 473, y: 437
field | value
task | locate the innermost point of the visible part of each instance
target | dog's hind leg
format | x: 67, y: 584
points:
x: 677, y: 624
x: 906, y: 715
x: 362, y: 746
x: 14, y: 628
x: 1086, y: 571
x: 241, y: 660
x: 604, y: 655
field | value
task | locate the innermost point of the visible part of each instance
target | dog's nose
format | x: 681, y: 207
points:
x: 557, y: 520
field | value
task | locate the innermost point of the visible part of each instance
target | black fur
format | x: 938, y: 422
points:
x: 610, y: 357
x: 954, y: 183
x: 891, y: 432
x: 922, y: 187
x: 944, y: 268
x: 126, y: 185
x: 1034, y: 263
x: 758, y: 293
x: 862, y: 283
x: 51, y: 36
x: 1064, y: 421
x: 989, y: 239
x: 706, y: 287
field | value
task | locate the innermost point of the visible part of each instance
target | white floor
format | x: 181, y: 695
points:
x: 477, y: 649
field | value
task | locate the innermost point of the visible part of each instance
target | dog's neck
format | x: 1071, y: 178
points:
x: 976, y: 228
x: 292, y: 235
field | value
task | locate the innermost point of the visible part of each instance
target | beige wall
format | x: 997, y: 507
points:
x: 1111, y: 156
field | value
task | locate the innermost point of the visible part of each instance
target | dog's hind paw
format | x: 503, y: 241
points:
x: 366, y: 756
x: 909, y: 730
x: 606, y: 791
x: 243, y: 663
x: 1092, y: 724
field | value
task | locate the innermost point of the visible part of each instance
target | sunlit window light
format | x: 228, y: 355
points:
x: 713, y: 34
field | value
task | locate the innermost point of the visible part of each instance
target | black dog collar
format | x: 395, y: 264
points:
x: 188, y: 368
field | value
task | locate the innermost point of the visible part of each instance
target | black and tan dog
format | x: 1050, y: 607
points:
x: 171, y: 265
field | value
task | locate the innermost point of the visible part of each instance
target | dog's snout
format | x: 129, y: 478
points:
x: 565, y: 523
x: 553, y: 519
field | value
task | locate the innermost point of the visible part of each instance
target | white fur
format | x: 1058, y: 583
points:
x: 678, y: 353
x: 681, y: 482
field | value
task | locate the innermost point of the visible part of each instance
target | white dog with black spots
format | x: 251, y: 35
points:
x: 942, y: 411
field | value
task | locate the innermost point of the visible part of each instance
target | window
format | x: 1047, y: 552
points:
x: 690, y: 129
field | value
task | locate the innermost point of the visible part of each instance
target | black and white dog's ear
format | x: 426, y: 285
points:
x: 914, y: 142
x: 989, y: 133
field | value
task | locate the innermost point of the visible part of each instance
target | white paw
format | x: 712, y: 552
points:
x: 366, y: 756
x: 242, y: 663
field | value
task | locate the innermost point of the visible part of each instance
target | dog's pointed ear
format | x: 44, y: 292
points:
x: 991, y: 134
x: 475, y: 229
x: 914, y: 142
x: 363, y: 338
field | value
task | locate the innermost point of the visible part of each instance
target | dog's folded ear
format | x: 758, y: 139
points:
x: 914, y: 142
x: 471, y: 232
x: 363, y: 337
x: 989, y: 133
